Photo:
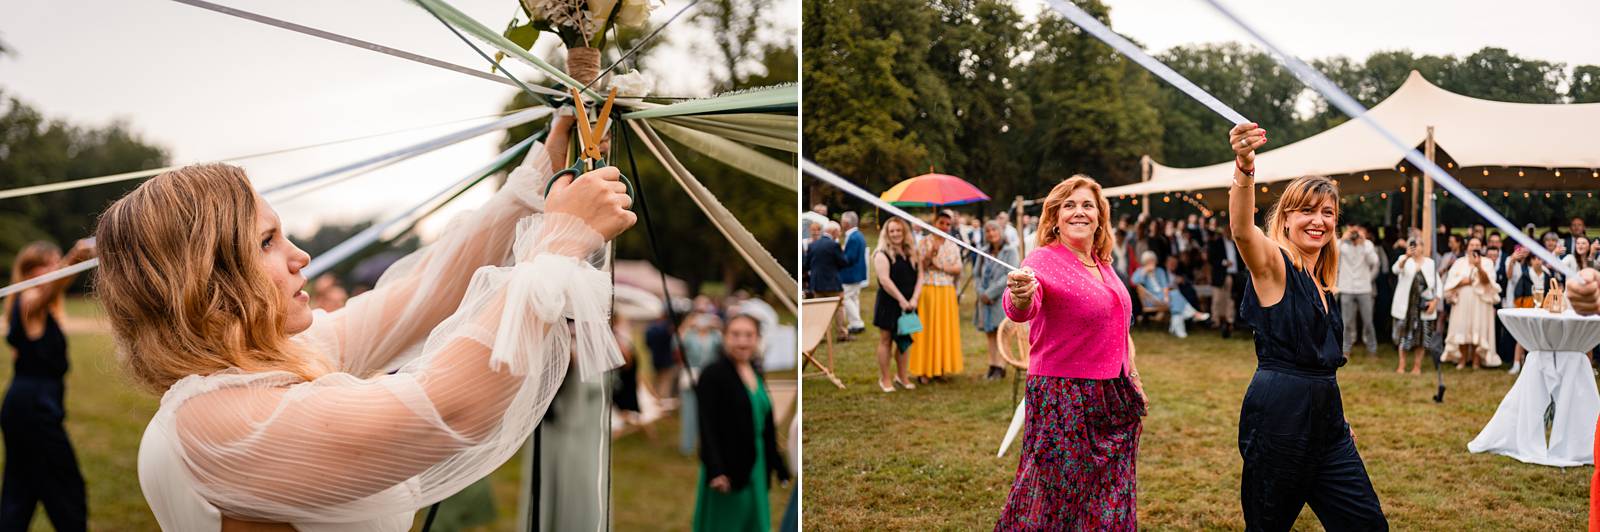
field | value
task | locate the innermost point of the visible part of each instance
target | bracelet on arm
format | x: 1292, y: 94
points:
x: 1251, y: 173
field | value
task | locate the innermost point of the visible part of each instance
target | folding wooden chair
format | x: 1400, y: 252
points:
x: 817, y: 319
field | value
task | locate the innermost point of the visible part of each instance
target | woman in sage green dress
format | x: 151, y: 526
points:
x: 738, y: 442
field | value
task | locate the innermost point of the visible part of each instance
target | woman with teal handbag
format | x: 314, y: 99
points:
x: 895, y: 315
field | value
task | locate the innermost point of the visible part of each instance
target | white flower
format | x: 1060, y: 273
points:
x: 635, y: 13
x: 633, y: 85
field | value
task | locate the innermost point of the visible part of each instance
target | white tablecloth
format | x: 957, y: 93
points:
x: 1556, y: 370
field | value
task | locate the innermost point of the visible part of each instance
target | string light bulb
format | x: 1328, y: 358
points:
x: 1199, y: 195
x: 1263, y: 189
x: 1558, y: 172
x: 1449, y: 165
x: 1166, y: 199
x: 1486, y: 171
x: 1525, y: 195
x: 1485, y: 193
x: 1402, y: 189
x: 1136, y: 201
x: 1365, y: 177
x: 1402, y: 169
x: 1519, y: 173
x: 1505, y: 194
x: 1384, y: 195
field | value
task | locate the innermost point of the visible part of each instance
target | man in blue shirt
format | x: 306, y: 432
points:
x: 854, y: 273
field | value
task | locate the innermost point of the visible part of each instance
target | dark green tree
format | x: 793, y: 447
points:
x: 36, y: 150
x: 857, y: 105
x: 1585, y: 86
x: 1244, y: 78
x: 977, y: 55
x: 1094, y: 111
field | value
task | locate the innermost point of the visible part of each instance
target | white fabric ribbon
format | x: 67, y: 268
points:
x: 551, y: 289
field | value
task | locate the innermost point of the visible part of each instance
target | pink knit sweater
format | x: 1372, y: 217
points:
x: 1080, y: 324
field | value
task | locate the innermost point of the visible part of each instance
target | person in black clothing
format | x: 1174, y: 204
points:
x: 899, y: 287
x: 824, y: 258
x: 40, y: 466
x: 738, y: 437
x: 1296, y: 444
x: 1223, y: 255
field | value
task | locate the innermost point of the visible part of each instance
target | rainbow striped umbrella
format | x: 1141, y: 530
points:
x: 933, y: 190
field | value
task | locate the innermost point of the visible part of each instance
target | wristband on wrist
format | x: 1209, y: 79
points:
x: 1251, y: 173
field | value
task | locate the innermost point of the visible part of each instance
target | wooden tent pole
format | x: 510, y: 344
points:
x: 1428, y: 224
x: 1144, y: 175
x: 1022, y: 247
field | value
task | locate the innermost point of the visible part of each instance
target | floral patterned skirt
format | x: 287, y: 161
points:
x: 1079, y: 448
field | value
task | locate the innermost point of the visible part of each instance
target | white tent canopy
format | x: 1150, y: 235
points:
x: 1483, y: 143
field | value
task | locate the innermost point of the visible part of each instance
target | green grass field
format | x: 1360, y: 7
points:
x: 653, y: 485
x: 924, y: 459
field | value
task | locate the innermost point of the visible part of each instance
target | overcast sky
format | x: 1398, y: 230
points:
x: 209, y: 86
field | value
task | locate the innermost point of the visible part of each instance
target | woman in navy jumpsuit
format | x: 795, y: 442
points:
x: 1296, y: 445
x: 40, y: 466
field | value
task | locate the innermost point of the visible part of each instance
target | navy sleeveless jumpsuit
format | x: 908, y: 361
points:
x: 1296, y: 445
x: 39, y: 463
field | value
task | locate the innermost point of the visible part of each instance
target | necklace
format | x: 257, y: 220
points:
x: 1079, y: 255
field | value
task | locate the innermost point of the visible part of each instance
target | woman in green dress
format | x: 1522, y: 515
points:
x: 738, y: 442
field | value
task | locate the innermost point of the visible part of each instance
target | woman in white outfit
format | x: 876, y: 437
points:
x: 274, y: 416
x: 1416, y: 304
x: 1469, y: 339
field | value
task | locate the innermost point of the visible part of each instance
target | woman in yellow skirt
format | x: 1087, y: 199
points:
x: 936, y: 351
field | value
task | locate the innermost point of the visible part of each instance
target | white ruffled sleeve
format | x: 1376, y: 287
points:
x: 384, y: 327
x: 342, y: 448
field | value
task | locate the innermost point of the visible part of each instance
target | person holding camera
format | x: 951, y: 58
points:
x: 1416, y: 303
x: 1471, y: 284
x: 1358, y: 268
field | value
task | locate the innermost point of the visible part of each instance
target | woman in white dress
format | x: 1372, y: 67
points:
x: 275, y: 416
x: 1469, y: 339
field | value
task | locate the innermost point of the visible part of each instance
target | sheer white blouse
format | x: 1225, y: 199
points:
x: 476, y: 324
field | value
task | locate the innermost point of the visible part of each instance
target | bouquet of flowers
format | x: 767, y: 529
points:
x: 582, y: 26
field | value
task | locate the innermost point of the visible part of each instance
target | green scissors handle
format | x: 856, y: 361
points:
x: 576, y: 171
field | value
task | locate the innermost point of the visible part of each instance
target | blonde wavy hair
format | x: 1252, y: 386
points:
x: 181, y: 281
x: 905, y: 249
x: 33, y: 255
x: 1302, y: 195
x: 1103, y: 241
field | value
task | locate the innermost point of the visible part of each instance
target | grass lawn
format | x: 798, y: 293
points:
x: 653, y: 486
x: 924, y: 459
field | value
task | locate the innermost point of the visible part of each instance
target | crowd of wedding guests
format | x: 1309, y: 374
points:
x: 1186, y: 273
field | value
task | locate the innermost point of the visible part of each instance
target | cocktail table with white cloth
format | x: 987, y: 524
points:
x: 1556, y: 370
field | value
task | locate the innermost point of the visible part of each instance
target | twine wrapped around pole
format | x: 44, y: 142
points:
x: 583, y: 64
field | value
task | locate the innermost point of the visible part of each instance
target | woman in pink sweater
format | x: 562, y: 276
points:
x: 1084, y: 397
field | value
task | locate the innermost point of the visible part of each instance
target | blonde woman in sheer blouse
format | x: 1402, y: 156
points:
x: 272, y: 413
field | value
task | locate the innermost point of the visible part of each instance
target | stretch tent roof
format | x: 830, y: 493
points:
x: 1482, y: 143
